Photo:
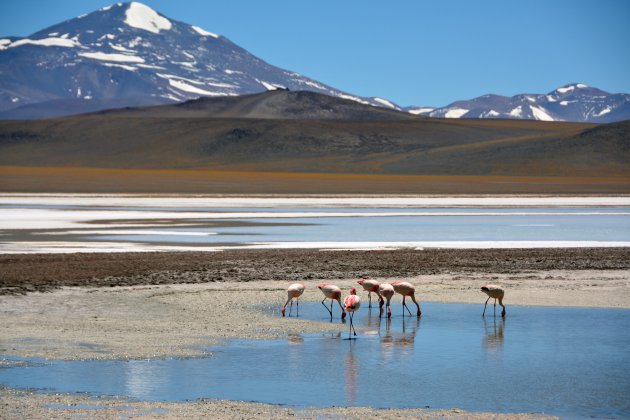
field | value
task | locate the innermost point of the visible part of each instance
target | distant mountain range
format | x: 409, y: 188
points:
x: 128, y: 55
x: 574, y: 102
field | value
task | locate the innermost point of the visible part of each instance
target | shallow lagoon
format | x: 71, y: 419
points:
x: 71, y: 228
x: 564, y: 361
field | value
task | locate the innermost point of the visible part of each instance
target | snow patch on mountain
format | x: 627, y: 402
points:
x: 46, y: 42
x: 540, y: 114
x: 203, y: 32
x: 178, y: 84
x: 570, y: 88
x: 121, y: 66
x: 490, y: 114
x: 456, y: 113
x: 143, y: 17
x: 420, y: 111
x: 603, y: 112
x: 270, y: 86
x: 121, y: 48
x: 385, y: 102
x: 121, y: 58
x: 352, y: 98
x: 517, y: 112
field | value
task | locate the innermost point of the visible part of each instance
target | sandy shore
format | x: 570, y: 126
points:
x: 121, y: 317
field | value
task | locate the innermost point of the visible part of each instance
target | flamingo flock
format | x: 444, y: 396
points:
x: 385, y: 291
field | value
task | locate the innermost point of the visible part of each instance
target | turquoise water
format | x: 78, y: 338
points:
x: 571, y: 362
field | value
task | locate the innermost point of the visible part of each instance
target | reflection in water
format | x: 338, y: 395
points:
x: 144, y: 379
x: 372, y: 319
x: 493, y: 339
x: 295, y: 355
x: 457, y: 360
x: 351, y: 375
x: 395, y: 344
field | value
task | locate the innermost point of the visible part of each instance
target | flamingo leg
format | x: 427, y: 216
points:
x: 484, y: 307
x: 297, y: 306
x: 343, y: 310
x: 413, y: 298
x: 291, y: 307
x: 284, y: 307
x: 351, y: 327
x: 331, y: 303
x: 405, y: 307
x: 329, y: 310
x: 495, y: 307
x: 389, y: 310
x: 501, y: 303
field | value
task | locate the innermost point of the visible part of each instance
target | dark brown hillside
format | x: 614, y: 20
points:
x: 277, y: 104
x: 265, y: 134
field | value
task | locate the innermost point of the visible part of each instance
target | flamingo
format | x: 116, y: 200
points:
x: 332, y: 292
x: 294, y: 291
x: 386, y: 291
x: 496, y: 292
x: 406, y: 289
x: 352, y: 303
x: 370, y: 286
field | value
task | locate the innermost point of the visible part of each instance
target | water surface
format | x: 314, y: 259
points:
x: 566, y: 361
x: 52, y: 228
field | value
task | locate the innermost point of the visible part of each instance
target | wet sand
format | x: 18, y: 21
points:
x: 173, y: 304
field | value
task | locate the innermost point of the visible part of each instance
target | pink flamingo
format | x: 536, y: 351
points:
x: 370, y: 286
x: 406, y: 289
x: 333, y: 293
x: 496, y: 292
x: 386, y: 291
x: 352, y: 303
x: 294, y: 292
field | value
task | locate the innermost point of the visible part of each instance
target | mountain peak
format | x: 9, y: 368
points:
x: 571, y: 87
x: 141, y: 16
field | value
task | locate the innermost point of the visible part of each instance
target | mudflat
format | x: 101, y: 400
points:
x: 155, y: 305
x: 21, y: 273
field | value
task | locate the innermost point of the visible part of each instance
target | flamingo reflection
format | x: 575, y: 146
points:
x: 396, y: 343
x: 350, y: 374
x: 494, y: 337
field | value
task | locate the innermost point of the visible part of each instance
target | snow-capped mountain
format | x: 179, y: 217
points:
x: 128, y: 54
x: 574, y: 102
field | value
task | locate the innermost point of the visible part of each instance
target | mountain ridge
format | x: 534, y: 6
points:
x: 575, y: 102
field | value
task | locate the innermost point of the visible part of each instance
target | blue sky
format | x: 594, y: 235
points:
x: 411, y: 52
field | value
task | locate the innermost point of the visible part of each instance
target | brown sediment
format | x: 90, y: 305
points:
x: 115, y: 180
x: 42, y: 272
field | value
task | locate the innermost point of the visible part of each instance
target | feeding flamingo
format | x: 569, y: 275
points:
x: 333, y: 293
x: 406, y: 289
x: 496, y: 292
x: 293, y: 292
x: 370, y: 286
x: 352, y: 303
x: 386, y: 291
